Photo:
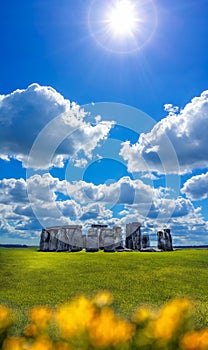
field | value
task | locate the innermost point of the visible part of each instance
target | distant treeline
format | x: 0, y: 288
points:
x: 13, y: 246
x: 190, y: 246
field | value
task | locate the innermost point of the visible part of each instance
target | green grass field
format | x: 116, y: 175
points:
x: 29, y: 278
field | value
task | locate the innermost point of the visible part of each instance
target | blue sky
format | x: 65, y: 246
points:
x: 90, y: 133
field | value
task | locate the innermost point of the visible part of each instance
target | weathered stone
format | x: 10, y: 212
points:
x: 109, y: 240
x: 160, y: 240
x: 53, y: 239
x: 92, y: 240
x: 44, y: 240
x: 145, y: 242
x: 61, y: 238
x: 165, y: 240
x: 76, y: 238
x: 62, y: 245
x: 118, y: 237
x: 168, y: 239
x: 133, y: 236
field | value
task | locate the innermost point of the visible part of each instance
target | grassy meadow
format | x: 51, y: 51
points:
x: 29, y: 277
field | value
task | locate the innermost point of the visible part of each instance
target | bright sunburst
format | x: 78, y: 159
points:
x: 122, y: 26
x: 122, y: 18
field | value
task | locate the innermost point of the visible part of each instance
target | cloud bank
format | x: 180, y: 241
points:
x: 186, y: 132
x: 59, y: 202
x: 196, y: 188
x: 41, y: 110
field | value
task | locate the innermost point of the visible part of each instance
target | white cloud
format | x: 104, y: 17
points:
x: 176, y: 144
x: 18, y: 215
x: 161, y: 209
x: 168, y: 107
x: 168, y: 208
x: 196, y: 188
x: 150, y: 176
x: 125, y: 191
x: 42, y: 111
x: 13, y: 191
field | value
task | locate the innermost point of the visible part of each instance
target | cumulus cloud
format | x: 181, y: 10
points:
x: 168, y: 208
x: 18, y: 213
x: 176, y: 144
x: 125, y: 191
x: 150, y: 176
x: 168, y: 107
x: 196, y: 188
x: 61, y: 128
x: 13, y: 191
x: 56, y: 202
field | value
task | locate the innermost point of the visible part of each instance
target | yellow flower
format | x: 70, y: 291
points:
x: 15, y: 343
x: 195, y: 340
x: 63, y: 346
x: 41, y: 316
x: 170, y: 319
x: 31, y: 330
x: 141, y: 316
x: 103, y: 298
x: 74, y: 318
x: 5, y: 317
x: 108, y: 330
x: 42, y: 344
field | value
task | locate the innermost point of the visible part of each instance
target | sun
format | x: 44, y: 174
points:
x: 122, y: 26
x: 123, y: 18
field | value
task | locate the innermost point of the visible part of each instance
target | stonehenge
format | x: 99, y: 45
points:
x: 70, y: 238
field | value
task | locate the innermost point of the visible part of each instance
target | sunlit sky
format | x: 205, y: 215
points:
x: 104, y: 116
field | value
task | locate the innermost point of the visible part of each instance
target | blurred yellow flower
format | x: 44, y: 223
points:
x: 5, y: 317
x: 15, y: 343
x: 170, y: 319
x: 103, y: 298
x: 41, y: 316
x: 141, y: 316
x: 108, y: 330
x: 195, y: 340
x: 63, y: 346
x: 31, y: 330
x: 42, y: 344
x: 74, y: 318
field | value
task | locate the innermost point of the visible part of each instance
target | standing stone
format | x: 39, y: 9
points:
x: 109, y: 240
x: 168, y: 239
x: 145, y: 241
x: 62, y: 245
x: 101, y: 233
x: 53, y: 239
x: 61, y: 238
x: 44, y: 240
x: 133, y: 236
x: 92, y: 240
x: 77, y: 239
x: 118, y: 237
x: 74, y: 237
x: 165, y: 240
